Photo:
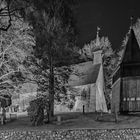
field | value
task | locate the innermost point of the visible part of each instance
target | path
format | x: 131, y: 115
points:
x: 80, y: 127
x: 90, y: 134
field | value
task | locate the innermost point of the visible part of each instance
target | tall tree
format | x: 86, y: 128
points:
x: 55, y: 33
x: 15, y: 45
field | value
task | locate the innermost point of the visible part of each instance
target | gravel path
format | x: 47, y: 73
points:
x: 78, y: 134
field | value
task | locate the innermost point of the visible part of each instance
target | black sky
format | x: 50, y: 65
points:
x: 113, y: 16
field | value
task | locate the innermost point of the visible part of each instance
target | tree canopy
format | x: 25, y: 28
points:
x: 15, y: 45
x: 55, y: 35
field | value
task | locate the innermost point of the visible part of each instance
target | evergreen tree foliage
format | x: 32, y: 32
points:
x: 36, y: 110
x: 55, y: 34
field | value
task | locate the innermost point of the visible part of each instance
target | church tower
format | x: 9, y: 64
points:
x: 97, y: 54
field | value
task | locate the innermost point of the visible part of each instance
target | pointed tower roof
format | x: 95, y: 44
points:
x: 97, y: 43
x: 97, y: 37
x: 132, y: 50
x: 131, y: 25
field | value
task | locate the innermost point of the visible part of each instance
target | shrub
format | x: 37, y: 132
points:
x: 36, y: 110
x: 5, y: 100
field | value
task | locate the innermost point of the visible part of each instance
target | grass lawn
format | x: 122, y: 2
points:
x: 76, y: 121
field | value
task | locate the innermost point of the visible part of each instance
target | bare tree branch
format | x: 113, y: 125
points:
x: 12, y: 8
x: 5, y: 28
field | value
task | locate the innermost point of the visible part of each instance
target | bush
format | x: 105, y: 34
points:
x: 36, y: 110
x: 5, y: 100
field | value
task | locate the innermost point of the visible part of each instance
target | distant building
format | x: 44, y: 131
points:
x: 126, y: 79
x: 26, y: 94
x: 22, y: 101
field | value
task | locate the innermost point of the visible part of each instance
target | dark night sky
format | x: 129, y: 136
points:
x: 113, y: 16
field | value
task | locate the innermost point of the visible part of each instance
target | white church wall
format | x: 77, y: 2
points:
x: 100, y: 98
x: 80, y: 101
x: 92, y: 100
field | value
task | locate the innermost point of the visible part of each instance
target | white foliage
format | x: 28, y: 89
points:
x: 15, y: 45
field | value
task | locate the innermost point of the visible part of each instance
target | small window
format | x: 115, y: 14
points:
x: 84, y: 94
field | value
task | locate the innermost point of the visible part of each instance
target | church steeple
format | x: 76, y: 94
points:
x: 97, y: 37
x: 131, y: 22
x: 131, y: 25
x: 97, y: 59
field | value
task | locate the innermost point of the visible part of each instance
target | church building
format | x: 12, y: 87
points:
x: 88, y: 83
x: 126, y: 78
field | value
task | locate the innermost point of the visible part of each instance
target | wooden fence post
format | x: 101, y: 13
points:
x: 59, y: 120
x: 116, y: 115
x: 83, y: 109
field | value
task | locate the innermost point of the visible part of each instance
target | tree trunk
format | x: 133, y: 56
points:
x: 51, y: 95
x: 51, y: 86
x: 3, y: 115
x: 51, y: 107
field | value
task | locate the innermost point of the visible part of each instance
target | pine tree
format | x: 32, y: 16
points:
x: 55, y: 34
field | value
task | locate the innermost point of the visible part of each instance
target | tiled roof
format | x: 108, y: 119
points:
x: 85, y: 73
x: 132, y: 50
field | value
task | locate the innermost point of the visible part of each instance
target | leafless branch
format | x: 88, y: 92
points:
x: 10, y: 19
x: 7, y: 74
x: 7, y: 11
